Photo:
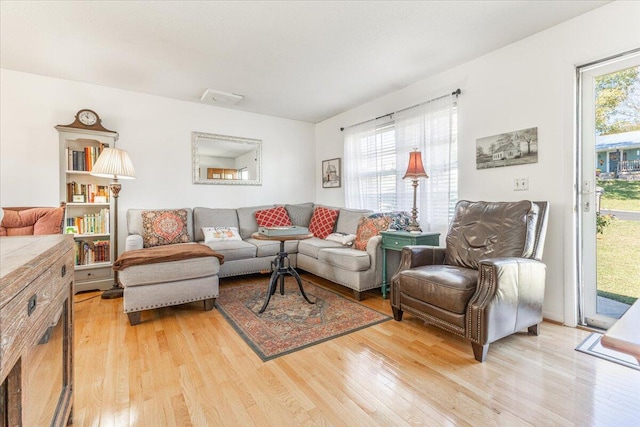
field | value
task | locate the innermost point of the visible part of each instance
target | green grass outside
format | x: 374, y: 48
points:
x: 618, y: 269
x: 620, y: 195
x: 619, y: 246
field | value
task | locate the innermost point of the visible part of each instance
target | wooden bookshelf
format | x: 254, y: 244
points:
x: 89, y: 211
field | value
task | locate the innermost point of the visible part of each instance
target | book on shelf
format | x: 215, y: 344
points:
x: 70, y: 191
x: 87, y: 158
x: 78, y: 161
x: 91, y: 223
x: 89, y: 252
x: 92, y: 193
x: 83, y: 160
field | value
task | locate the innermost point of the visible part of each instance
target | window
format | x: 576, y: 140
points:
x: 377, y: 170
x: 376, y: 157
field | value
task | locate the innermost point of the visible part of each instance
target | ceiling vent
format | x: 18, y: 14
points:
x: 219, y: 97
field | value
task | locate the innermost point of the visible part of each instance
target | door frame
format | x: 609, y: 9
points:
x: 584, y: 189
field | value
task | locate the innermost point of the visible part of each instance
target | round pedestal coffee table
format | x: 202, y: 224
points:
x: 281, y: 266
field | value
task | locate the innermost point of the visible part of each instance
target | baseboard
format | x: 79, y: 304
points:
x: 99, y: 285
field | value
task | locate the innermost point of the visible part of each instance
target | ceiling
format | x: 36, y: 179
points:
x: 301, y: 60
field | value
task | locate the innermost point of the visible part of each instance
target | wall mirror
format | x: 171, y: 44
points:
x: 227, y: 160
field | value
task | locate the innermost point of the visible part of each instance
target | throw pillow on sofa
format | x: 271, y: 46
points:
x: 342, y: 238
x: 274, y: 217
x: 369, y: 227
x: 323, y: 221
x: 219, y: 234
x: 300, y: 214
x: 398, y: 220
x: 164, y: 227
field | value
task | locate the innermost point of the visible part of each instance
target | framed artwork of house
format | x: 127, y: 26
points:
x: 507, y: 149
x: 331, y: 173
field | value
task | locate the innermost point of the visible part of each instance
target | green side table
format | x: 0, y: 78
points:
x: 395, y: 241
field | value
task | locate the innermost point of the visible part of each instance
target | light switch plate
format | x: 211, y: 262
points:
x: 521, y: 184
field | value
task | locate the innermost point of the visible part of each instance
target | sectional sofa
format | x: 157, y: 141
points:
x: 357, y: 269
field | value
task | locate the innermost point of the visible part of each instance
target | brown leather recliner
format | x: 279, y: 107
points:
x: 487, y: 283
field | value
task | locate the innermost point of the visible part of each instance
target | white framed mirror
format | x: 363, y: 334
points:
x: 226, y: 160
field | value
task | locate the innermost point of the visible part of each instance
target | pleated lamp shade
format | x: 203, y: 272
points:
x: 114, y: 163
x: 415, y: 169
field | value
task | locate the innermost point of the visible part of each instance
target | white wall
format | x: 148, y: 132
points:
x: 247, y: 161
x: 157, y: 134
x: 530, y: 83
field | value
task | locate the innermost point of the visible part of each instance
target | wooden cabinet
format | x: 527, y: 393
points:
x: 36, y: 330
x: 88, y: 215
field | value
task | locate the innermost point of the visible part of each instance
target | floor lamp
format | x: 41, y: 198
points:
x: 415, y: 170
x: 115, y: 164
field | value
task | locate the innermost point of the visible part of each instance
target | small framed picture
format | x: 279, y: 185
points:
x: 78, y: 198
x: 331, y: 173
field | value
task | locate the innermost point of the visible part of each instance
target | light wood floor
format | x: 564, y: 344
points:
x: 183, y: 366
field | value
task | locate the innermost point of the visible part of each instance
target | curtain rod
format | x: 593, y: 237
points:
x: 455, y: 93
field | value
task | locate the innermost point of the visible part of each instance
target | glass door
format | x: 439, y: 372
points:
x: 608, y: 188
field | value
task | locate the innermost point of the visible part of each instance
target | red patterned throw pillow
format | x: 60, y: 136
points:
x: 322, y: 222
x: 274, y: 217
x: 369, y: 227
x: 164, y: 227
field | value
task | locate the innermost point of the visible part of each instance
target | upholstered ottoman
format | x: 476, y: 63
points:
x: 161, y: 282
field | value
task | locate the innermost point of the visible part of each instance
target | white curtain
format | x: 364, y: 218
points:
x: 431, y: 128
x: 359, y: 145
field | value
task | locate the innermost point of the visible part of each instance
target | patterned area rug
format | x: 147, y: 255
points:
x: 591, y: 345
x: 290, y: 323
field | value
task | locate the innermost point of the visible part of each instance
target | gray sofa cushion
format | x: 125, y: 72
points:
x: 348, y: 220
x: 247, y: 220
x: 134, y: 220
x: 234, y: 249
x: 348, y: 259
x: 208, y: 217
x: 310, y: 247
x: 148, y: 274
x: 300, y: 214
